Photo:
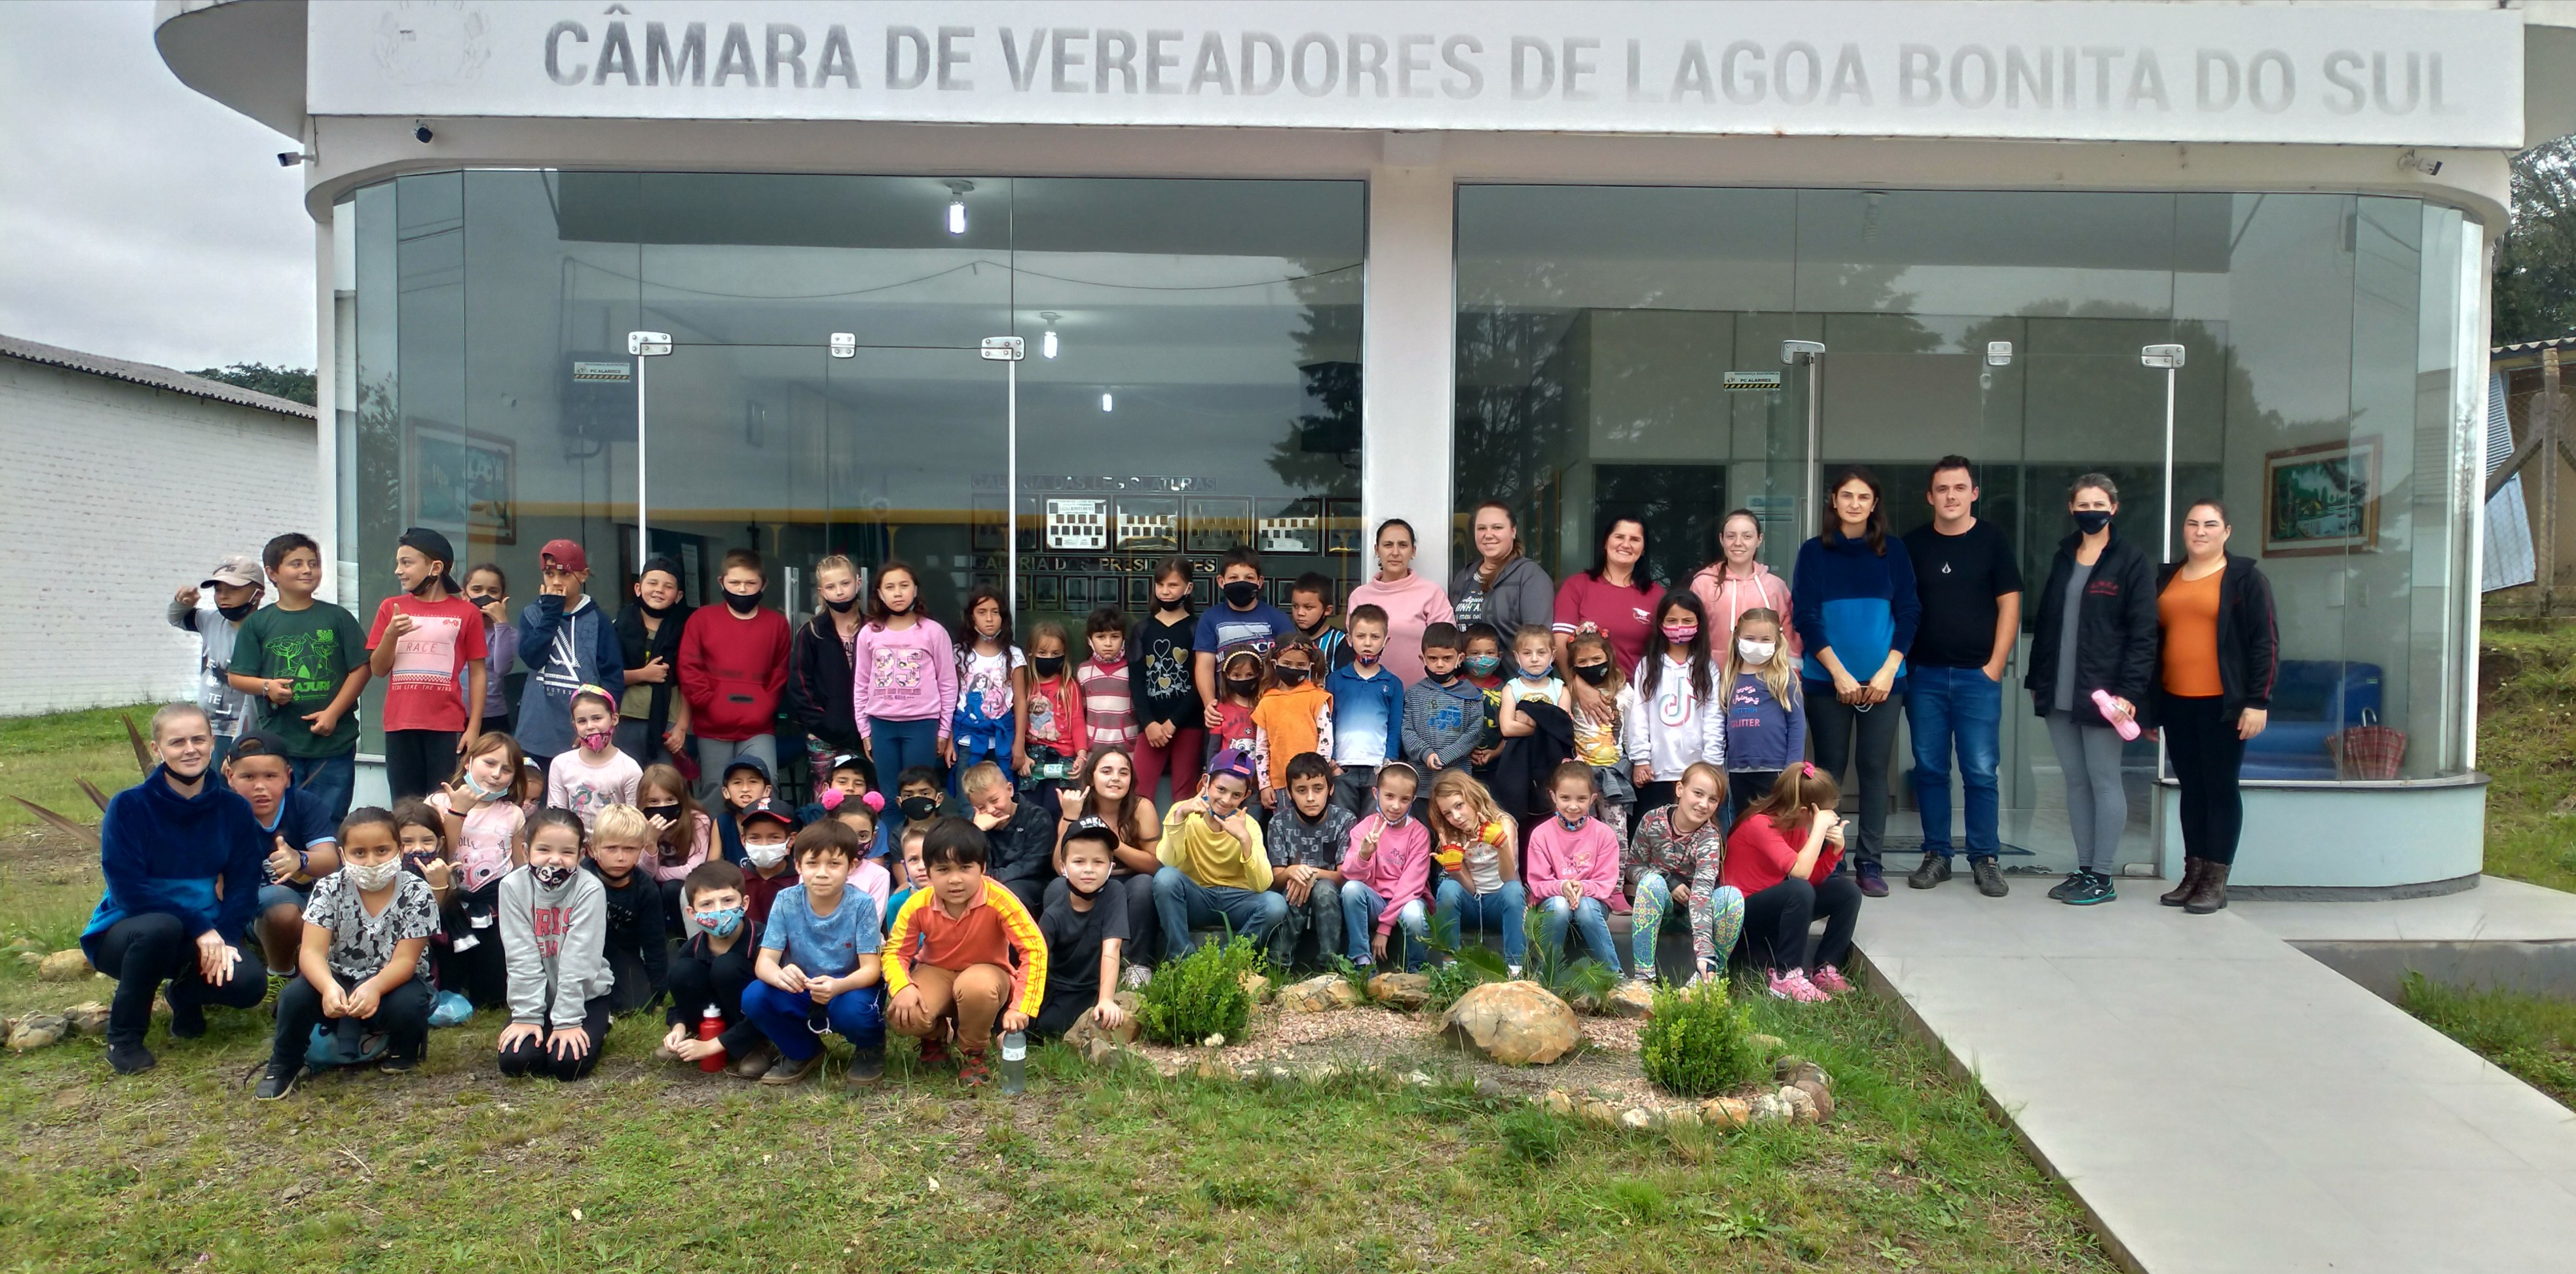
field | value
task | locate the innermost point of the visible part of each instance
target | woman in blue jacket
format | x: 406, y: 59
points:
x: 1855, y: 613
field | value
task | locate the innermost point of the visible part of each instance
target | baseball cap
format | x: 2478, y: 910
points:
x: 751, y: 763
x: 1091, y: 825
x: 434, y: 546
x: 1231, y: 761
x: 235, y: 570
x: 566, y: 554
x: 259, y: 743
x: 771, y: 807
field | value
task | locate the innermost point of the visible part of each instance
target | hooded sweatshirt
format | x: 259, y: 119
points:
x: 1521, y: 594
x: 1674, y: 728
x: 818, y: 677
x: 163, y: 852
x: 1588, y: 854
x: 1726, y: 597
x: 731, y: 672
x: 1442, y: 721
x: 563, y: 653
x: 1411, y: 604
x: 1399, y: 870
x: 555, y: 945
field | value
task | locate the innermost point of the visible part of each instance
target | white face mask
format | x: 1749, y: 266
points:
x: 1755, y: 653
x: 766, y: 856
x: 370, y: 879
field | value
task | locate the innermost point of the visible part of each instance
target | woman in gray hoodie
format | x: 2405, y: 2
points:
x: 1500, y: 587
x: 554, y: 940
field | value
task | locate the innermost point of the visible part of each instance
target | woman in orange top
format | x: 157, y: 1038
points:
x: 2217, y: 655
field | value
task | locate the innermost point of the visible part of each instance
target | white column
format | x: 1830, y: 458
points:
x: 1409, y: 353
x: 326, y: 423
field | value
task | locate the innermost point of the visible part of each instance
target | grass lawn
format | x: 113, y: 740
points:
x: 41, y: 756
x: 2527, y: 741
x: 2532, y: 1037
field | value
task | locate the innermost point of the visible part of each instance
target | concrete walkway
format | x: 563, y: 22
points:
x: 2221, y: 1102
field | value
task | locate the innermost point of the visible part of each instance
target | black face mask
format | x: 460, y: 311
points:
x: 237, y: 613
x: 917, y: 808
x: 671, y: 812
x: 1245, y: 686
x: 1047, y: 665
x: 1084, y: 894
x: 1242, y: 593
x: 654, y: 612
x: 422, y: 588
x: 2091, y: 521
x: 1292, y: 676
x: 841, y: 607
x: 1593, y: 674
x: 742, y: 603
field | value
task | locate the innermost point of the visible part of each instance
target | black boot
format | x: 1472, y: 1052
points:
x: 2179, y: 894
x: 2211, y: 894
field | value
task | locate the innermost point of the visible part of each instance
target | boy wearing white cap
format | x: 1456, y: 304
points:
x: 237, y: 584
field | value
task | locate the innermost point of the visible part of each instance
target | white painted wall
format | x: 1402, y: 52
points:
x: 117, y: 494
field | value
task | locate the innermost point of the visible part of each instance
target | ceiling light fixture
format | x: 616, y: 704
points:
x: 957, y: 191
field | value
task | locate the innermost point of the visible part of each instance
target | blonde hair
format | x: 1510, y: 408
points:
x: 1480, y: 803
x: 1775, y: 675
x: 621, y: 825
x: 1616, y: 681
x: 1799, y: 786
x: 840, y: 561
x: 1527, y: 634
x: 979, y: 777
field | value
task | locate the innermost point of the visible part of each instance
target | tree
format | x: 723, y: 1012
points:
x: 293, y: 383
x: 2535, y: 273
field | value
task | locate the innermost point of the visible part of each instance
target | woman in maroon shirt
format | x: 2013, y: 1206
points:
x: 1615, y: 599
x: 1782, y: 856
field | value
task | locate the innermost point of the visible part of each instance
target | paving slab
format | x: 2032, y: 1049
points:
x: 2220, y: 1102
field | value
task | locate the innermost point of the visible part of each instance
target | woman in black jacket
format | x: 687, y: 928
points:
x: 2217, y: 656
x: 653, y: 722
x: 2097, y: 632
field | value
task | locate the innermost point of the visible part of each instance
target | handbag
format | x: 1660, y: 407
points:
x: 2369, y: 750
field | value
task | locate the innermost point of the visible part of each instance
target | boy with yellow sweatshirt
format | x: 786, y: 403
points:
x: 1214, y: 864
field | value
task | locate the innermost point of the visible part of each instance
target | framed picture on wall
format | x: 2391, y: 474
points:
x: 1077, y: 592
x: 1148, y: 524
x: 1077, y: 525
x: 1291, y: 527
x: 464, y: 480
x: 1140, y: 594
x: 1104, y: 590
x: 987, y: 518
x: 1043, y: 592
x: 2321, y: 499
x: 1216, y: 523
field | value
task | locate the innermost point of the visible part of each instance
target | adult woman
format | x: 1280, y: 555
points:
x: 1781, y: 857
x: 1736, y: 583
x: 1106, y: 790
x: 2216, y: 657
x: 1855, y: 614
x: 1411, y: 602
x: 1501, y: 587
x: 1613, y: 598
x: 2096, y: 632
x: 652, y: 721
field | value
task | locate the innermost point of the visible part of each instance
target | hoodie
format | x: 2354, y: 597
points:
x: 819, y: 683
x: 1411, y: 605
x: 903, y: 674
x: 163, y: 852
x: 1522, y: 594
x: 1587, y: 855
x: 1857, y: 603
x: 1726, y: 597
x: 1399, y: 869
x: 1443, y: 721
x: 732, y: 670
x: 554, y: 943
x: 563, y: 653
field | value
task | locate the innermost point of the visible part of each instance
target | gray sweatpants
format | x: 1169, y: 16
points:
x: 2097, y: 807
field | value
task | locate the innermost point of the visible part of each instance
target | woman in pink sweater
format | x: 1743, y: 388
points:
x: 903, y: 679
x: 1411, y: 602
x: 1735, y: 583
x: 1386, y: 872
x: 1574, y: 868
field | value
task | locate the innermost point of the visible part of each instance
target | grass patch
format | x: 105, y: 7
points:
x: 2532, y: 1037
x: 2527, y: 741
x: 40, y: 757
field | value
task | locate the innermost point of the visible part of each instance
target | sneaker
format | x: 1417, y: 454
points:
x: 130, y: 1059
x: 1135, y: 978
x: 934, y: 1052
x: 2097, y: 888
x: 789, y: 1070
x: 1829, y: 980
x: 971, y: 1070
x: 395, y: 1062
x: 187, y: 1021
x: 2074, y: 881
x: 1514, y: 970
x: 1935, y: 869
x: 1990, y: 877
x: 1794, y: 986
x: 755, y: 1061
x: 867, y: 1066
x: 1364, y: 962
x: 1873, y: 882
x: 277, y: 1081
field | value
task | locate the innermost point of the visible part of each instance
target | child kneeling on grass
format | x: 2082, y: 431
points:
x: 818, y: 963
x: 364, y: 930
x: 1085, y: 925
x: 712, y: 970
x: 554, y: 940
x: 963, y: 951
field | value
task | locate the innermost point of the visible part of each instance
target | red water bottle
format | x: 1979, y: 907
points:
x: 711, y: 1025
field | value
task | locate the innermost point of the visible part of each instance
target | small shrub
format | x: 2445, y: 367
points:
x: 1698, y: 1043
x: 1640, y: 1201
x: 1571, y: 980
x: 1533, y: 1135
x: 1462, y: 966
x: 1202, y: 994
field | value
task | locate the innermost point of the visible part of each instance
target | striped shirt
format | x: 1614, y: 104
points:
x: 994, y: 925
x: 1108, y: 705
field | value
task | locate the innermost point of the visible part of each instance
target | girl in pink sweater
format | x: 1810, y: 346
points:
x: 903, y: 678
x: 1386, y: 872
x: 1574, y: 867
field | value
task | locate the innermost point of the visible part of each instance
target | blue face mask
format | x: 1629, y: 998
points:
x: 721, y: 923
x: 1483, y: 665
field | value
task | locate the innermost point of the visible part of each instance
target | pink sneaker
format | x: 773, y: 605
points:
x: 1794, y: 986
x: 1829, y: 980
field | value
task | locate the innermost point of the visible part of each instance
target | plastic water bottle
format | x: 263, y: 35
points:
x: 710, y: 1026
x: 2127, y: 725
x: 1015, y: 1063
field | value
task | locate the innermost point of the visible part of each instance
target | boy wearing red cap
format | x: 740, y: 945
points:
x: 427, y: 643
x: 567, y: 642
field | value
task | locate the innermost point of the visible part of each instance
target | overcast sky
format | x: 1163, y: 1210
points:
x: 140, y: 219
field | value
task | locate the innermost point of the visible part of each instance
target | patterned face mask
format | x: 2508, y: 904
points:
x: 369, y: 879
x: 551, y: 875
x: 721, y: 923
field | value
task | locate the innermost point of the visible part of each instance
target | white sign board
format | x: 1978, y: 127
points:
x: 2108, y: 69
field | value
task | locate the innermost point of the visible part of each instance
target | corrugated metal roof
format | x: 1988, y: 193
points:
x: 157, y: 377
x: 2532, y: 347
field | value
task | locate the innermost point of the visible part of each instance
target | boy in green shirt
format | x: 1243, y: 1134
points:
x: 306, y: 660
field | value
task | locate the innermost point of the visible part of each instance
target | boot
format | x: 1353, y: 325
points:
x: 2179, y: 894
x: 2211, y: 893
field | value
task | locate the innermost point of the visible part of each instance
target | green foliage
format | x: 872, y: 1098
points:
x: 2526, y: 732
x: 2534, y: 292
x: 1568, y: 980
x: 1533, y: 1134
x: 1637, y: 1200
x: 1698, y: 1043
x: 2534, y: 1038
x: 1462, y: 966
x: 1202, y: 994
x: 292, y: 383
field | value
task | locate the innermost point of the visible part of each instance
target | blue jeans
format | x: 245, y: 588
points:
x: 1361, y: 907
x: 328, y: 779
x: 1592, y: 918
x: 1180, y: 902
x: 896, y: 746
x: 857, y: 1016
x: 972, y: 747
x: 715, y: 756
x: 1942, y: 705
x: 1474, y: 913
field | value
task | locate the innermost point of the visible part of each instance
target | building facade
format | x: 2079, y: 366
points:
x: 1282, y: 271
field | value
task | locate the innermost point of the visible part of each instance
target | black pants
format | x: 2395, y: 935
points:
x: 478, y: 971
x: 1744, y: 787
x: 672, y: 901
x: 634, y: 988
x: 1031, y: 891
x: 1144, y: 925
x: 531, y: 1057
x: 1063, y: 1007
x: 1651, y: 797
x: 2207, y: 756
x: 142, y: 952
x: 1835, y: 726
x: 402, y: 1014
x: 1776, y: 920
x: 418, y: 761
x: 697, y: 983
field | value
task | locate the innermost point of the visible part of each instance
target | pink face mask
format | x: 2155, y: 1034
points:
x: 1680, y: 634
x: 597, y: 740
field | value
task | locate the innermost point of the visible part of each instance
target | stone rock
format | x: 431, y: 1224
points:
x: 1820, y: 1095
x: 1403, y: 992
x: 1767, y: 1109
x: 1802, y: 1107
x: 87, y: 1018
x: 1793, y: 1069
x: 1595, y: 1111
x: 38, y: 1030
x: 1514, y: 1023
x: 64, y: 965
x: 1319, y: 994
x: 1559, y: 1102
x: 1770, y: 1043
x: 1637, y: 1119
x: 31, y: 958
x: 1086, y: 1029
x: 1684, y: 1116
x: 1256, y: 986
x: 1490, y: 1090
x: 1099, y: 1050
x: 1631, y: 999
x: 1726, y: 1112
x: 1211, y: 1068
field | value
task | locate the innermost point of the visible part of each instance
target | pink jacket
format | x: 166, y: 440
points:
x: 1589, y: 854
x: 903, y: 674
x: 1411, y: 604
x: 1400, y: 870
x: 1724, y: 597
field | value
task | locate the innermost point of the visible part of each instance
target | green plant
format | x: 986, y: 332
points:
x: 1698, y: 1043
x: 1637, y: 1200
x: 1568, y: 980
x: 1202, y: 993
x: 1461, y: 967
x: 1533, y: 1134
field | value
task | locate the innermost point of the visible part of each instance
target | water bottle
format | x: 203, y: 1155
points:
x: 1015, y: 1063
x: 2127, y: 725
x: 711, y: 1025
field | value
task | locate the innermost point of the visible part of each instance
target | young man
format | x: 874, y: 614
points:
x: 1310, y: 604
x: 1368, y: 710
x: 818, y: 964
x: 236, y: 583
x: 1240, y: 622
x: 567, y: 643
x: 1306, y: 841
x: 427, y: 644
x: 1019, y: 834
x: 1444, y: 713
x: 1970, y: 584
x: 638, y: 952
x: 733, y: 667
x: 304, y: 658
x: 963, y: 951
x: 301, y: 843
x: 1214, y: 864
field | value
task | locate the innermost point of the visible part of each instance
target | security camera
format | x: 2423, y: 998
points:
x: 420, y: 133
x: 289, y: 158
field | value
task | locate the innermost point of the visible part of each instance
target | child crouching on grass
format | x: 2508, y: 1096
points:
x: 712, y: 970
x: 962, y: 952
x: 554, y: 939
x: 1085, y: 925
x: 364, y: 930
x: 818, y: 963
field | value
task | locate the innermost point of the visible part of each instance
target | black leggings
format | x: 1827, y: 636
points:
x: 2207, y: 757
x: 476, y: 969
x: 402, y: 1014
x: 1776, y: 920
x: 1838, y: 731
x: 418, y: 761
x: 531, y: 1056
x: 142, y: 952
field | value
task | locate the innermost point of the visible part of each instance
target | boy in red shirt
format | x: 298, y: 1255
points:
x: 733, y: 667
x: 427, y: 647
x: 963, y: 949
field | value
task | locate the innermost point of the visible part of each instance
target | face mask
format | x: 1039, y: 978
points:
x: 2091, y: 521
x: 1047, y: 665
x: 721, y: 923
x: 1680, y: 634
x: 1755, y: 653
x: 1242, y: 593
x: 552, y: 875
x: 237, y: 613
x: 766, y: 856
x: 1243, y: 686
x: 671, y: 812
x: 1574, y: 824
x: 652, y: 611
x: 597, y: 740
x: 1358, y: 658
x: 1484, y: 665
x: 1292, y: 676
x: 1592, y: 674
x: 841, y: 607
x: 1084, y: 894
x: 481, y: 793
x: 741, y: 603
x: 422, y: 588
x: 917, y: 808
x: 370, y: 879
x: 1392, y: 818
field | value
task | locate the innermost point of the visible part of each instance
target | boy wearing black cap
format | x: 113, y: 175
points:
x: 567, y: 643
x: 1085, y: 924
x: 743, y: 784
x: 767, y: 826
x: 427, y: 643
x: 307, y: 659
x: 236, y: 583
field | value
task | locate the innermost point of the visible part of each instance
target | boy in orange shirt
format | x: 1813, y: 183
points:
x: 1295, y: 716
x: 963, y: 949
